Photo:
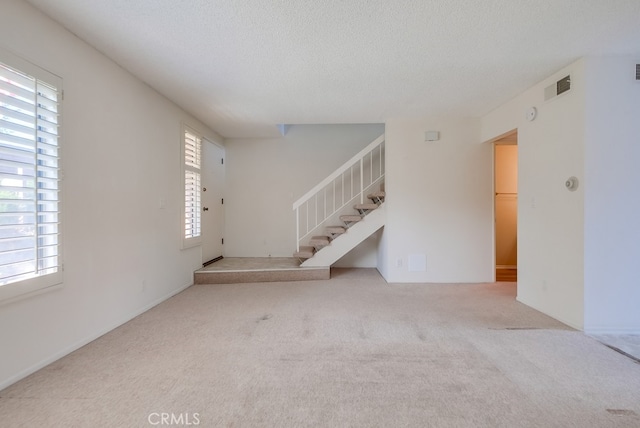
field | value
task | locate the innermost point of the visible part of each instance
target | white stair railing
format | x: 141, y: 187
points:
x: 346, y: 185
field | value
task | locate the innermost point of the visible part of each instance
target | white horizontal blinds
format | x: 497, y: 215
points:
x: 192, y: 150
x: 48, y: 183
x: 29, y: 186
x: 192, y: 203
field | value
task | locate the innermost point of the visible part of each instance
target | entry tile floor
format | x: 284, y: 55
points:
x: 627, y: 343
x: 252, y: 263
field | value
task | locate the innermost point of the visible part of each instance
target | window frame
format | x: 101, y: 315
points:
x: 44, y: 282
x: 192, y: 241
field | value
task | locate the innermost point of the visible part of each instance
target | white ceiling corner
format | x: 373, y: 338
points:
x: 243, y: 67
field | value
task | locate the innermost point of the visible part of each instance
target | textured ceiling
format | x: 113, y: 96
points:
x: 243, y: 66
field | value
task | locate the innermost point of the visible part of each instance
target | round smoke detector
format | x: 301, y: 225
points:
x: 531, y: 114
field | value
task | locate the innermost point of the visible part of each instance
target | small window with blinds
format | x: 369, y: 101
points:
x: 192, y: 152
x: 30, y: 244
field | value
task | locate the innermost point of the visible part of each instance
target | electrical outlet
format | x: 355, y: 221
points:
x: 399, y: 263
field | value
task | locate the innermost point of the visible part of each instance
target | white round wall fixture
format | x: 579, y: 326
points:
x: 572, y: 184
x: 531, y: 114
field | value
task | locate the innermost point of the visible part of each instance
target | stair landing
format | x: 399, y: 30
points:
x: 238, y: 270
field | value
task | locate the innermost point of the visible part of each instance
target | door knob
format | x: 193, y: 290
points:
x: 205, y: 209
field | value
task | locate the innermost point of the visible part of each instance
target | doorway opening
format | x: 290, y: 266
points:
x: 506, y: 207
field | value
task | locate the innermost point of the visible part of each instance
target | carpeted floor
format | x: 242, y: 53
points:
x: 349, y: 352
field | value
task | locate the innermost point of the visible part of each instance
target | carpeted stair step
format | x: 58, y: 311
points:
x: 319, y: 242
x: 365, y: 208
x: 335, y: 231
x: 305, y: 252
x: 350, y: 219
x: 377, y: 197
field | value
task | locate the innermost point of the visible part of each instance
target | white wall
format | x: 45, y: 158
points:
x: 440, y: 202
x: 364, y: 255
x: 550, y: 218
x: 612, y: 205
x: 265, y: 177
x: 382, y: 263
x: 120, y: 156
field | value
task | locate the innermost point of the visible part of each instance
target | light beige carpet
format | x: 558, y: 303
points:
x: 349, y: 352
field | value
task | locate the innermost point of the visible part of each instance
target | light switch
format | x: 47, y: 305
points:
x: 432, y: 136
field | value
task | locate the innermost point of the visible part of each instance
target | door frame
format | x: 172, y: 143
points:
x: 509, y: 137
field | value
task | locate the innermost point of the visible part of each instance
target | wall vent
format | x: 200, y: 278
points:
x: 637, y: 71
x: 555, y: 89
x: 563, y: 85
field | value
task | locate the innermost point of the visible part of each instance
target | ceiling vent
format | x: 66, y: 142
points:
x: 637, y: 71
x: 560, y: 87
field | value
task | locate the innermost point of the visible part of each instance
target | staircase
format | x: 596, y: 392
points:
x: 325, y: 250
x: 334, y: 217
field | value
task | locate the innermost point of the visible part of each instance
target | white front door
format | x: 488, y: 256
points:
x: 212, y: 200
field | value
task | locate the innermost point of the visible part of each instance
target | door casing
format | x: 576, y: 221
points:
x: 213, y: 180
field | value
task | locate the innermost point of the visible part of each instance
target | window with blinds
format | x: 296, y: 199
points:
x: 192, y: 187
x: 29, y: 176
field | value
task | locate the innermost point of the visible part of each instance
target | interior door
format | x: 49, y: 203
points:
x: 213, y: 176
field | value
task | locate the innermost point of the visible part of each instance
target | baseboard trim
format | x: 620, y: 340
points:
x: 570, y: 324
x: 82, y: 342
